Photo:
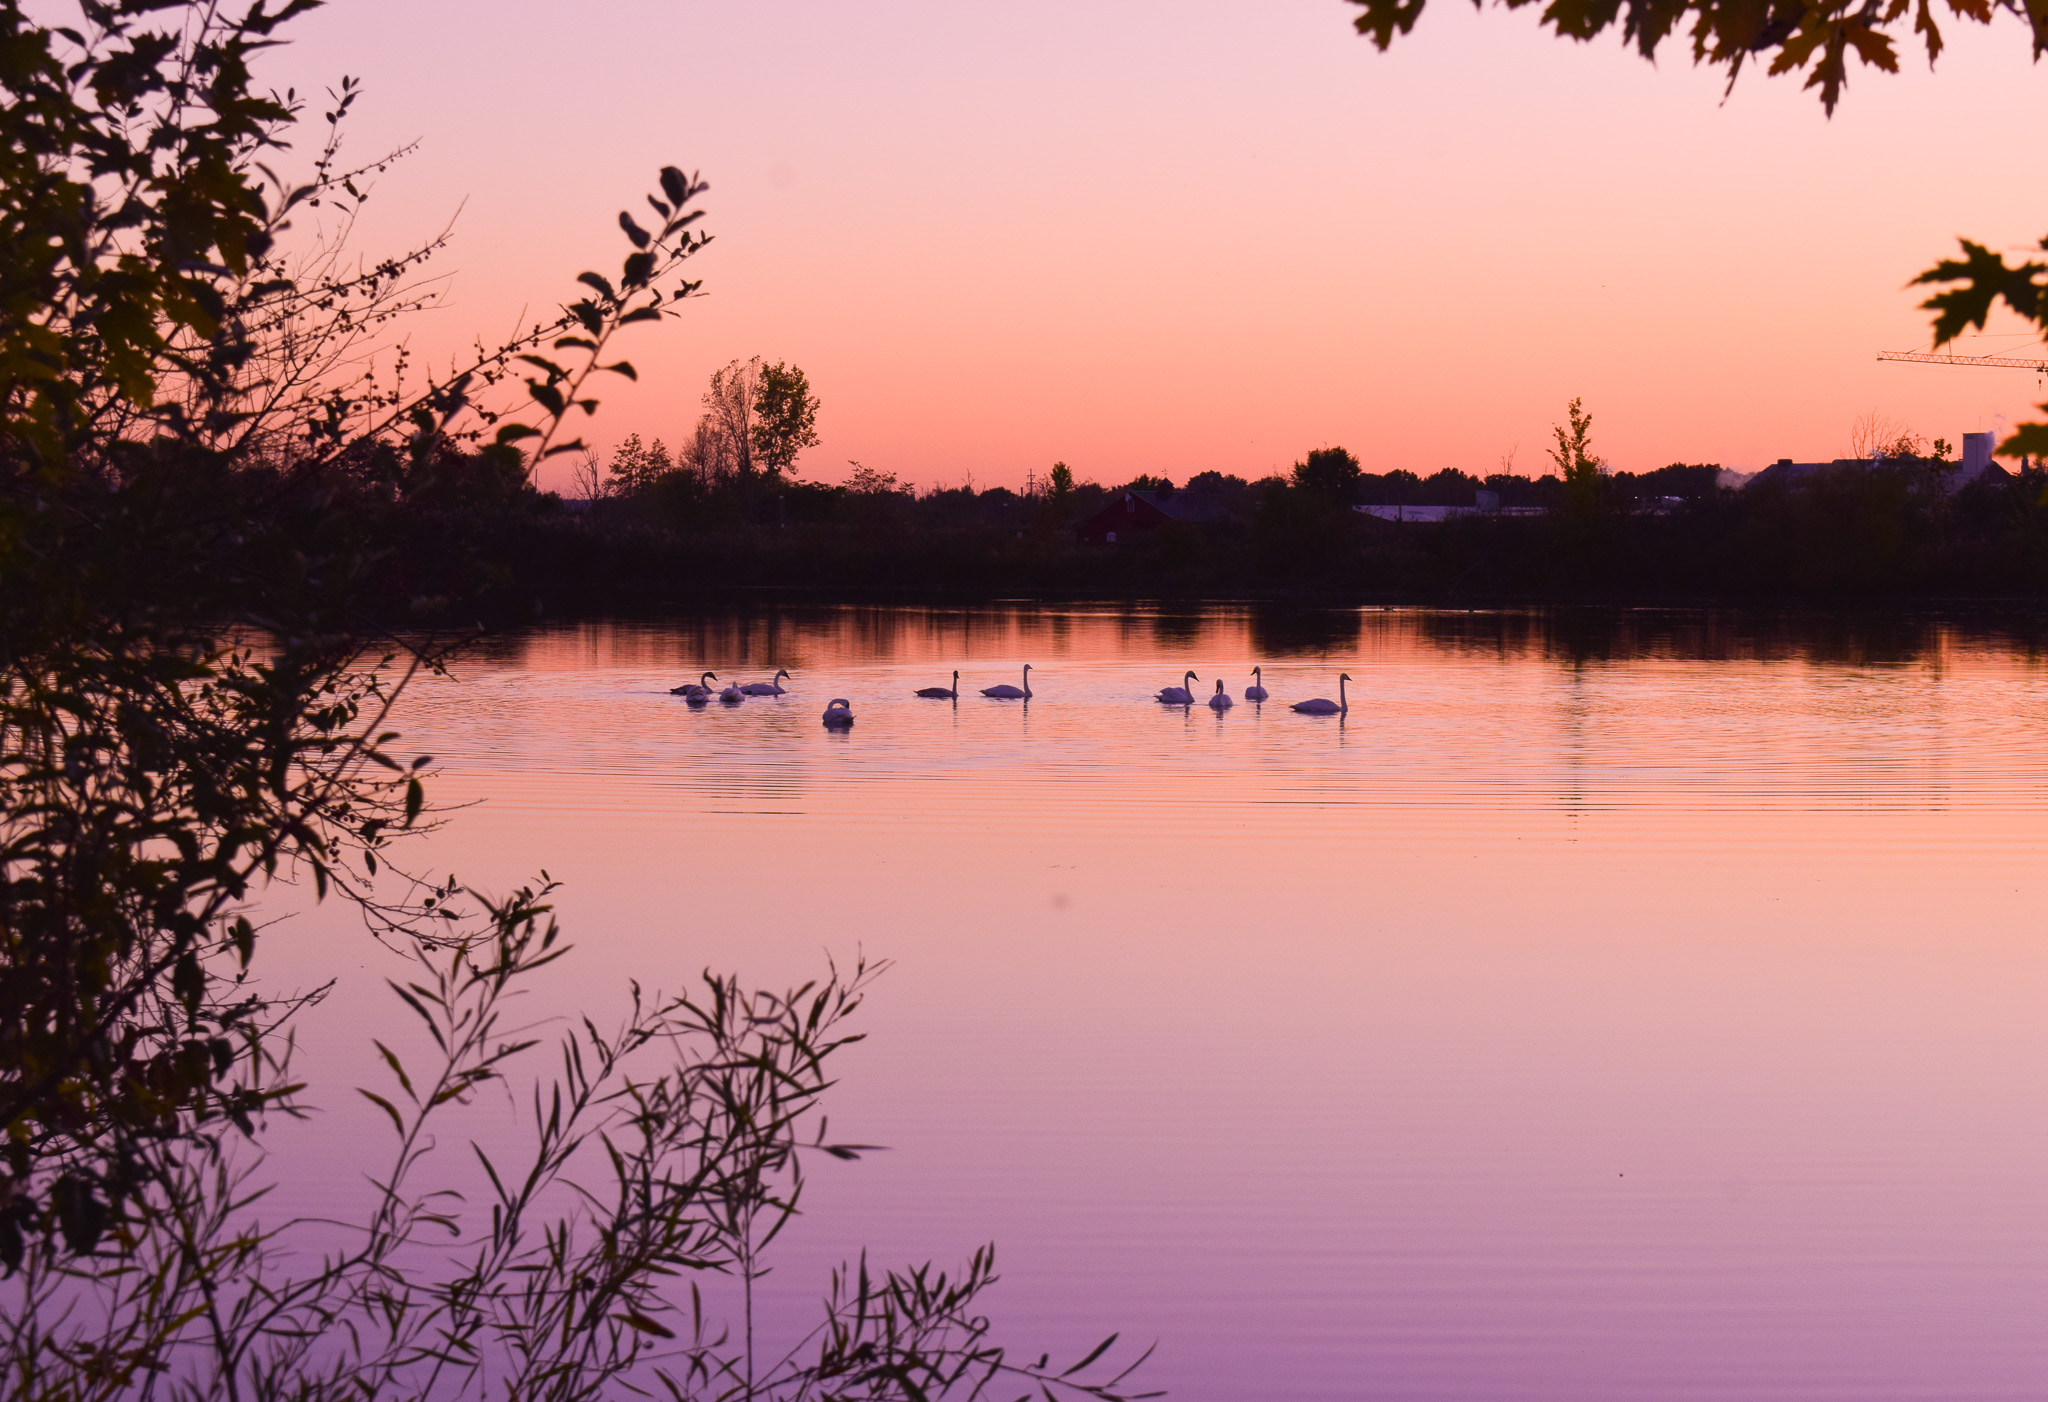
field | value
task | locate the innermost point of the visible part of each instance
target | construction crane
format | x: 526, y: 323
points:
x: 1996, y: 362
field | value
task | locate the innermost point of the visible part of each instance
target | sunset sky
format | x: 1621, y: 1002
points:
x: 1162, y: 237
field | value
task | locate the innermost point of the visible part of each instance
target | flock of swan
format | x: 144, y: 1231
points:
x: 839, y: 710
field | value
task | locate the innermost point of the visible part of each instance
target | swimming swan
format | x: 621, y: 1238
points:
x: 940, y: 693
x: 1257, y: 690
x: 1006, y: 692
x: 692, y: 688
x: 838, y: 713
x: 1221, y: 700
x: 1179, y: 695
x: 1322, y: 706
x: 767, y: 688
x: 732, y: 695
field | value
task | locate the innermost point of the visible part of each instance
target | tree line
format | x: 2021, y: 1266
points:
x: 1892, y: 527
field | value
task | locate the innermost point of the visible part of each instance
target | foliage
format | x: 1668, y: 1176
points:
x: 1876, y: 434
x: 1060, y: 482
x: 1576, y: 464
x: 1903, y: 529
x: 785, y: 417
x: 219, y: 484
x: 151, y: 294
x: 723, y: 446
x: 694, y: 1113
x: 635, y: 466
x: 1977, y: 282
x: 1329, y: 472
x: 870, y: 481
x: 1147, y: 482
x: 1799, y: 36
x: 1815, y: 37
x: 152, y: 778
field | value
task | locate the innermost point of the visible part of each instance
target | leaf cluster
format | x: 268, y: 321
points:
x: 1817, y: 38
x: 1976, y: 283
x: 1814, y: 37
x: 193, y: 701
x: 661, y: 1159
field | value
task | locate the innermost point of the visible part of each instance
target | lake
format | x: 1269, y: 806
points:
x: 1609, y: 1006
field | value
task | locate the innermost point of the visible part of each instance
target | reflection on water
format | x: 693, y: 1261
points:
x: 1612, y: 1005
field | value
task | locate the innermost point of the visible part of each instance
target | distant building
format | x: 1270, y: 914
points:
x: 1977, y: 463
x: 1417, y: 513
x: 1484, y: 503
x: 1977, y: 466
x: 1787, y: 473
x: 1132, y: 514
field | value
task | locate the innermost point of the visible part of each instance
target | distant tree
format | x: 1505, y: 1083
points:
x: 1876, y: 434
x: 1145, y: 482
x: 1448, y: 487
x: 1060, y: 482
x: 868, y: 481
x: 636, y: 467
x: 1329, y: 472
x: 785, y: 416
x: 587, y: 480
x: 707, y: 456
x: 1236, y: 496
x: 1690, y: 480
x: 724, y: 445
x: 1574, y: 457
x: 1399, y: 487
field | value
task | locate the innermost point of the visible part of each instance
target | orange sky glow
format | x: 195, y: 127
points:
x: 1170, y: 237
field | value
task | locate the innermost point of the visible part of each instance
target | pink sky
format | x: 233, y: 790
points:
x: 1168, y: 237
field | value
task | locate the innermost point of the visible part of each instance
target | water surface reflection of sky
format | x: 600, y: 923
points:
x: 1613, y: 1007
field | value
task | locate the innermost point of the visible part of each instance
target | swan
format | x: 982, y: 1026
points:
x: 699, y: 697
x: 1221, y: 700
x: 838, y: 713
x: 1257, y: 690
x: 1006, y: 692
x: 1322, y: 706
x: 1180, y: 695
x: 692, y: 688
x: 940, y: 693
x: 767, y: 688
x: 732, y: 695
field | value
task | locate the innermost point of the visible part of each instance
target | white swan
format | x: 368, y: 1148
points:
x: 1180, y: 695
x: 1221, y: 700
x: 692, y: 688
x: 1257, y: 690
x: 1322, y: 706
x: 732, y: 695
x: 940, y: 693
x: 1006, y: 692
x: 838, y: 713
x: 767, y: 688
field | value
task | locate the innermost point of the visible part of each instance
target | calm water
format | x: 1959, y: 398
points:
x: 1634, y: 1008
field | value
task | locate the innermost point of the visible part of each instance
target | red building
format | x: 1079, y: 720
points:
x: 1131, y: 514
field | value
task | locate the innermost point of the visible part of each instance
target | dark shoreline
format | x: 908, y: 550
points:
x: 729, y: 619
